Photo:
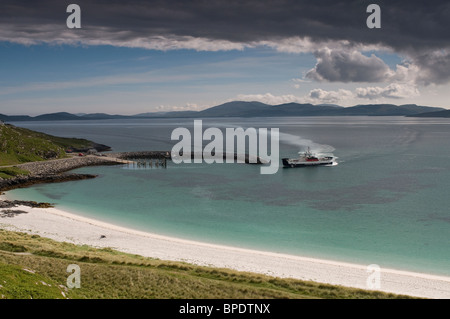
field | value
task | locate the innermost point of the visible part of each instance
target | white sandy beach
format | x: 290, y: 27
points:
x: 62, y: 226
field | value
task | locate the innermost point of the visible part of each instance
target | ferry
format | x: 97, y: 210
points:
x: 307, y: 159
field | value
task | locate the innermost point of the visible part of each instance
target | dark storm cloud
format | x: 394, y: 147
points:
x: 405, y: 25
x: 417, y: 29
x: 434, y: 66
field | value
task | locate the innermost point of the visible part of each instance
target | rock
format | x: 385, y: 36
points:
x: 9, y: 213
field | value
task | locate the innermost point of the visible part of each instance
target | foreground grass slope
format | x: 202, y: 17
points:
x: 19, y: 145
x: 35, y: 267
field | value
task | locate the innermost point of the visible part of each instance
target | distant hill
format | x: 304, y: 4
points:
x: 444, y: 113
x: 386, y: 110
x: 61, y: 116
x: 327, y: 104
x: 257, y: 109
x: 248, y: 109
x: 165, y: 114
x: 102, y: 116
x: 295, y: 109
x: 14, y: 118
x: 236, y: 109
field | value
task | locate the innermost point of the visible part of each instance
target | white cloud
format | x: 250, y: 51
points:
x: 318, y: 96
x: 99, y: 35
x: 406, y: 72
x: 300, y: 45
x: 392, y: 91
x: 55, y: 35
x: 186, y: 107
x: 347, y: 66
x: 269, y: 98
x: 340, y: 96
x: 308, y: 45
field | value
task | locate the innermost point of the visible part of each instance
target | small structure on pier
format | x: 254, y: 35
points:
x: 143, y: 159
x: 147, y: 163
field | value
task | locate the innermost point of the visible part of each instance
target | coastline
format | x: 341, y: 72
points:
x: 54, y: 171
x: 60, y: 225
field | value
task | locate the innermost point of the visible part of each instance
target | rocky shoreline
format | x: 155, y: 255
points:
x: 54, y: 171
x: 25, y: 181
x: 51, y: 171
x: 28, y: 203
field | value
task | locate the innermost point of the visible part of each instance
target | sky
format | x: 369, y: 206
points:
x: 139, y: 56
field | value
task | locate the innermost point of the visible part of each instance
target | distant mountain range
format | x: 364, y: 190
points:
x: 443, y: 113
x: 253, y: 109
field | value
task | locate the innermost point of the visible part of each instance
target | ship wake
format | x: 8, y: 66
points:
x: 303, y: 144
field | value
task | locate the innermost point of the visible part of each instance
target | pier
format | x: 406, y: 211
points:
x: 147, y: 163
x: 142, y: 159
x: 158, y: 159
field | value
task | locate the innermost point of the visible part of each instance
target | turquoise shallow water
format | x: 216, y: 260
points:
x: 385, y: 203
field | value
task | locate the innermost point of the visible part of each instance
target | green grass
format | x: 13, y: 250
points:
x: 22, y: 283
x: 10, y: 172
x: 20, y: 145
x: 106, y: 273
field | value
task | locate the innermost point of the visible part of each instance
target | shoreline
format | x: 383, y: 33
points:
x: 70, y: 227
x: 54, y: 171
x: 60, y: 225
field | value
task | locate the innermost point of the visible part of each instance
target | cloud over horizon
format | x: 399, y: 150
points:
x: 340, y: 96
x: 416, y: 26
x: 418, y: 30
x: 333, y: 32
x: 347, y: 66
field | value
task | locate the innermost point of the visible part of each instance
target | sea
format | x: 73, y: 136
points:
x: 385, y: 202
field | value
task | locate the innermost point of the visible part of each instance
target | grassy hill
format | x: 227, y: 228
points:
x: 20, y: 145
x: 35, y: 267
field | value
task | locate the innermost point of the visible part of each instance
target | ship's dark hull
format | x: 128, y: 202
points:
x: 286, y: 163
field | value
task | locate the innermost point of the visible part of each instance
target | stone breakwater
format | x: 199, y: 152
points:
x: 54, y: 171
x: 66, y: 164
